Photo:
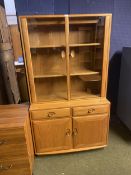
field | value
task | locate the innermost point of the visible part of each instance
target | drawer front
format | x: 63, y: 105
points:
x: 15, y: 167
x: 12, y: 142
x: 12, y: 150
x: 51, y: 113
x: 99, y: 109
x: 13, y: 134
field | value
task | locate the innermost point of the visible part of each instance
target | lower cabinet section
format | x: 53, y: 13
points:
x: 70, y: 133
x: 52, y: 135
x: 90, y: 131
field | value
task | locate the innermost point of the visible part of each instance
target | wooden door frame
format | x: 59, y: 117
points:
x: 106, y: 52
x: 27, y: 59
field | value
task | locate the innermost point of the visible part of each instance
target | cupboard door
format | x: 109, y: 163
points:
x: 52, y: 135
x: 90, y: 131
x: 47, y: 44
x: 86, y: 37
x: 45, y: 56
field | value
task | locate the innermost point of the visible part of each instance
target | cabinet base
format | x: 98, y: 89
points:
x: 70, y: 150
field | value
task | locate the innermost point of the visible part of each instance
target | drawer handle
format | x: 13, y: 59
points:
x: 68, y: 132
x: 4, y: 168
x: 51, y: 114
x: 75, y: 132
x: 2, y: 142
x: 72, y: 54
x: 63, y: 54
x: 91, y: 110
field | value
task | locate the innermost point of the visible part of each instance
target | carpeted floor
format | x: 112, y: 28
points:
x: 112, y: 160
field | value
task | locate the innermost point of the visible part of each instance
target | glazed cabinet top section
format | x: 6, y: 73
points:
x: 66, y: 56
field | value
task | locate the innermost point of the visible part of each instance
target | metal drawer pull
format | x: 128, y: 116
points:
x: 51, y: 114
x: 68, y: 132
x: 90, y: 111
x: 2, y: 142
x: 75, y: 132
x: 4, y: 168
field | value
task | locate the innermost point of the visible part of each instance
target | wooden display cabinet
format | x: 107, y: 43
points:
x: 66, y: 58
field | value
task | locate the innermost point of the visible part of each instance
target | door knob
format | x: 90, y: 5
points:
x: 68, y: 132
x: 72, y: 54
x: 63, y: 55
x: 75, y: 131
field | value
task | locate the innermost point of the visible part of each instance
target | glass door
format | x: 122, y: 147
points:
x: 48, y: 54
x: 86, y: 38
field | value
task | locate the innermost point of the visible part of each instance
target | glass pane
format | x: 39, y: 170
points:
x: 53, y: 88
x: 86, y: 55
x: 48, y: 53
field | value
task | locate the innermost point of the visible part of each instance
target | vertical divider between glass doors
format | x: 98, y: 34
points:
x: 67, y: 56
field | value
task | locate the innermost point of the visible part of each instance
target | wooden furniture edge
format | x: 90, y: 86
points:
x: 71, y: 150
x: 70, y: 15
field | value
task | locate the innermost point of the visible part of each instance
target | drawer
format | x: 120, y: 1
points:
x: 12, y: 150
x: 12, y: 142
x: 15, y: 167
x: 12, y: 136
x: 98, y: 109
x: 51, y: 113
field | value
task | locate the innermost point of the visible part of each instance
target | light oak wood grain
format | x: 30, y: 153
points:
x: 51, y: 113
x: 66, y: 65
x: 52, y: 135
x: 14, y: 167
x: 52, y: 41
x: 89, y: 110
x: 90, y: 131
x: 16, y: 147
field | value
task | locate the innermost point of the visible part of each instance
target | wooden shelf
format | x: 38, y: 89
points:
x: 85, y: 44
x: 49, y: 75
x: 82, y: 71
x: 77, y: 22
x: 46, y: 23
x: 82, y: 94
x: 52, y: 97
x: 93, y: 77
x: 46, y: 46
x: 76, y: 72
x: 63, y: 96
x: 70, y: 45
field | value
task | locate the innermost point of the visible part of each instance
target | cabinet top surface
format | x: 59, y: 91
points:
x: 72, y: 103
x: 63, y: 15
x: 13, y: 115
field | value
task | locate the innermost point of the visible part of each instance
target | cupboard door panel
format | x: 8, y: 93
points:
x: 52, y: 135
x: 90, y: 131
x: 48, y: 55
